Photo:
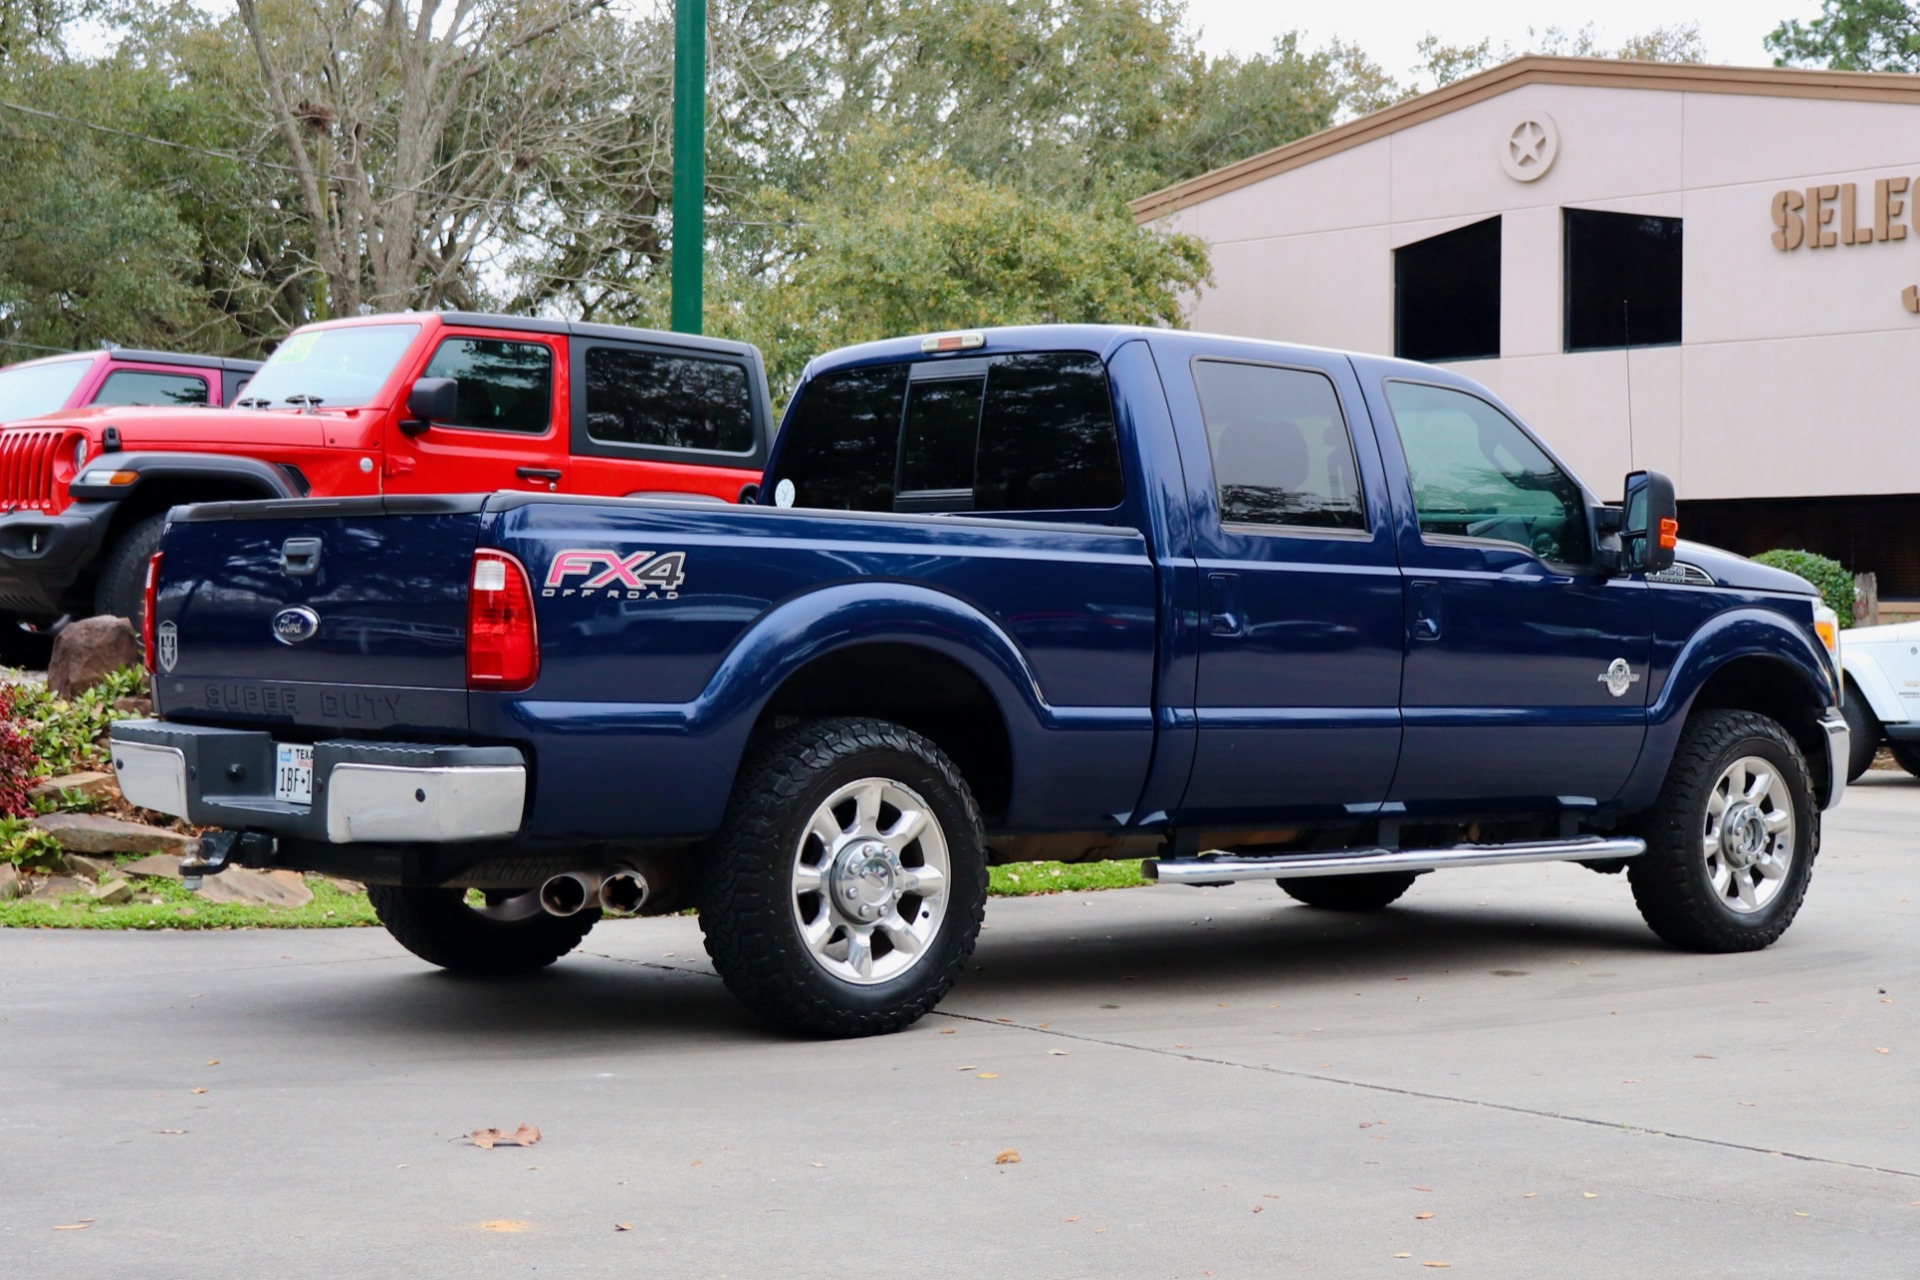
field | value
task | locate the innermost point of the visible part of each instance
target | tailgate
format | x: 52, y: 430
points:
x: 345, y: 614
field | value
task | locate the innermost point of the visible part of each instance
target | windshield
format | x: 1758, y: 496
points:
x: 29, y: 390
x: 339, y: 368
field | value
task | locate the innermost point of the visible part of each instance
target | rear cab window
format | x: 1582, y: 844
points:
x: 1282, y: 452
x: 1017, y: 433
x: 660, y: 404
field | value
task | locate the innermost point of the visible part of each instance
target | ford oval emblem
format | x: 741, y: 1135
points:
x: 296, y: 625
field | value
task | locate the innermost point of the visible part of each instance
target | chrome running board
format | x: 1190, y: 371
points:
x: 1224, y: 868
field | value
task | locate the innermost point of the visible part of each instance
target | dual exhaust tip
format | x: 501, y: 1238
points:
x: 622, y: 891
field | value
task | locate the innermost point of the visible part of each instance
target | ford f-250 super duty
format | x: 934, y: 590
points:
x: 1255, y: 611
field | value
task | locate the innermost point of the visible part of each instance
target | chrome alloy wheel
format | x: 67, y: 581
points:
x: 1748, y: 835
x: 870, y: 881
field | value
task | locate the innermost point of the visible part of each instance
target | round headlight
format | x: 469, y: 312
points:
x: 79, y: 454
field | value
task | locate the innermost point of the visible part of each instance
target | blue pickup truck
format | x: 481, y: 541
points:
x: 1248, y: 611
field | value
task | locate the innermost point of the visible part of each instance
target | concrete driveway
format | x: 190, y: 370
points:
x: 1506, y: 1074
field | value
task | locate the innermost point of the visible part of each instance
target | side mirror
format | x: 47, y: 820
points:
x: 1650, y: 525
x: 431, y: 400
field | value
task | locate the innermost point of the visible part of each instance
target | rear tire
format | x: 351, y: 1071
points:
x: 1906, y: 757
x: 1732, y: 838
x: 1369, y: 892
x: 120, y: 591
x: 845, y: 889
x: 510, y: 935
x: 1863, y: 732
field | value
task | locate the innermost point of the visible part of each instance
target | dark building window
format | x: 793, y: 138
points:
x: 1446, y: 295
x: 1623, y: 280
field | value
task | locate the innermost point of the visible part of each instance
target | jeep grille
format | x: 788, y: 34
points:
x: 27, y: 459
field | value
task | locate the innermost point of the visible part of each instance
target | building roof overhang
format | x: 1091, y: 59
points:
x: 1603, y: 73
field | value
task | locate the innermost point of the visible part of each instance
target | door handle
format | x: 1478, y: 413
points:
x: 1224, y: 616
x: 549, y: 474
x: 1423, y: 610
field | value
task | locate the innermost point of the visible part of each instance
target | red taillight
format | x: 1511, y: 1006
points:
x: 147, y: 594
x: 503, y: 651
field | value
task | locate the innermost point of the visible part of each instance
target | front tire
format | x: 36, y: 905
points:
x: 120, y: 591
x: 1863, y: 731
x: 1369, y: 892
x: 1732, y: 838
x: 846, y: 887
x: 510, y: 934
x: 1906, y: 757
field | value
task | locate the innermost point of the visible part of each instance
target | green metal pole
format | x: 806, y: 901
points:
x: 689, y: 162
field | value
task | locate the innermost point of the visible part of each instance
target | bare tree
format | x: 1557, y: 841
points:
x: 423, y: 133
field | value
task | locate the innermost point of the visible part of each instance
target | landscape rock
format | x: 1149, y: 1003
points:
x: 51, y: 888
x: 80, y: 864
x: 113, y: 893
x: 87, y: 651
x: 155, y: 864
x: 258, y: 888
x: 9, y: 882
x: 90, y: 783
x: 96, y: 833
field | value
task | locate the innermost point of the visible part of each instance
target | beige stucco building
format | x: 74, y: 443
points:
x: 1730, y: 252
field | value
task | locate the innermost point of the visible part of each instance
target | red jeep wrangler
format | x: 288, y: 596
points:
x: 119, y: 377
x: 433, y: 402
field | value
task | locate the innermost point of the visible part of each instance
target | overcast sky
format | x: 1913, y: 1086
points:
x: 1389, y: 30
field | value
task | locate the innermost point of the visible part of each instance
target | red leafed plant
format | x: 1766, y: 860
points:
x: 16, y: 762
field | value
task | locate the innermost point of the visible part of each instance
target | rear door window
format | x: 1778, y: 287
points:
x: 1030, y: 432
x: 1281, y: 451
x: 141, y: 387
x: 504, y: 386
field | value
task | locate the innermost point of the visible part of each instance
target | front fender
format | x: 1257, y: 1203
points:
x: 1733, y: 636
x: 1877, y: 687
x: 268, y: 480
x: 1065, y: 759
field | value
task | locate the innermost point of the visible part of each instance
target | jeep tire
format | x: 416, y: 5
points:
x: 510, y: 934
x: 120, y: 590
x: 1732, y: 838
x: 846, y: 886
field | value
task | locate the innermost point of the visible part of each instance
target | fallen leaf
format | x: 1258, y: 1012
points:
x: 1074, y: 1218
x: 1403, y: 1255
x: 169, y: 1130
x: 1099, y: 1230
x: 1268, y: 1195
x: 1422, y: 1216
x: 1883, y: 1051
x: 623, y: 1226
x: 503, y: 1224
x: 1798, y: 1214
x: 1009, y: 1156
x: 1436, y: 1264
x: 973, y: 1067
x: 1632, y: 1082
x: 1589, y: 1195
x: 1707, y: 1056
x: 1183, y: 1046
x: 818, y: 1165
x: 81, y: 1225
x: 1003, y: 1019
x: 213, y: 1062
x: 1057, y: 1053
x: 487, y: 1139
x: 946, y: 1031
x: 987, y: 1075
x: 1746, y: 1104
x: 1257, y: 1208
x: 1428, y: 1190
x: 196, y: 1091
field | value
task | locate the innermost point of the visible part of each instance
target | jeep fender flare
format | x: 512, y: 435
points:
x: 1726, y: 638
x: 270, y: 479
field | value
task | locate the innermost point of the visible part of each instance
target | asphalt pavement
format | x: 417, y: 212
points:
x: 1506, y: 1074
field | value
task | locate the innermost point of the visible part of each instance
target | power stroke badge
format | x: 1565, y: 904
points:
x: 640, y: 575
x: 1619, y: 677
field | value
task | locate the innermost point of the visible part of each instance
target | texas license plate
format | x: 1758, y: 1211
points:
x: 293, y: 773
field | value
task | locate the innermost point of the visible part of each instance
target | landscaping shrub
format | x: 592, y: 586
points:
x: 1829, y: 577
x: 16, y: 762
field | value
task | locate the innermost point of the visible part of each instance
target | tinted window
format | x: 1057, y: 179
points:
x: 339, y: 367
x: 841, y: 440
x: 29, y: 390
x: 938, y: 439
x: 132, y: 386
x: 1035, y: 433
x: 1476, y: 474
x: 1623, y: 280
x: 504, y: 386
x: 1446, y: 295
x: 1281, y: 453
x: 1047, y: 438
x: 668, y: 402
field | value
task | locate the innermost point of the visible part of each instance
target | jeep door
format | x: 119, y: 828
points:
x: 506, y: 433
x: 1298, y: 687
x: 1526, y: 665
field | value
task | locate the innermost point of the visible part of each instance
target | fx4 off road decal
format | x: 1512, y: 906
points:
x: 643, y: 575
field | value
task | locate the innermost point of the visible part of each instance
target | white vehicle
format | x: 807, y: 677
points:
x: 1882, y: 668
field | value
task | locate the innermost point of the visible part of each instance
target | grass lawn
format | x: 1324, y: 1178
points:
x: 163, y: 904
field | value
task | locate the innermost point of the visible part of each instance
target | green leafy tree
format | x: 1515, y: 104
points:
x: 1852, y: 35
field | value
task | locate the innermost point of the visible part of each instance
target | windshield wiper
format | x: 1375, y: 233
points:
x: 252, y: 402
x: 310, y: 403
